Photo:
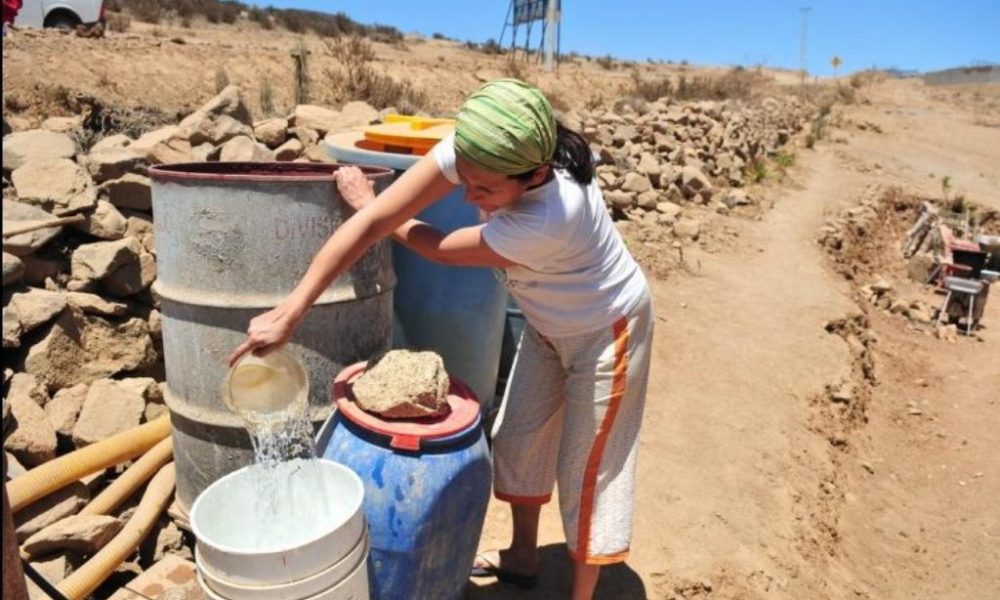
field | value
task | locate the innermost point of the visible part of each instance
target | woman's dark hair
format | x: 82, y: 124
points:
x: 572, y: 154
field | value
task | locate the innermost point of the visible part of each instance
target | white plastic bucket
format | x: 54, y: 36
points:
x: 329, y: 579
x: 315, y: 521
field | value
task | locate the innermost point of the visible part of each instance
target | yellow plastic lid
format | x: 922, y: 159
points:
x: 405, y: 134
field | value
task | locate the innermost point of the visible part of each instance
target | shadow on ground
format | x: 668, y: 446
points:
x: 555, y: 579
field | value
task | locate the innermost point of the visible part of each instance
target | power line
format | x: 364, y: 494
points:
x: 802, y: 43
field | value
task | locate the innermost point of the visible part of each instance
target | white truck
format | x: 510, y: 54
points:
x: 65, y: 14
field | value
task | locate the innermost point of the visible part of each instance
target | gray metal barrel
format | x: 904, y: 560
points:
x: 232, y: 240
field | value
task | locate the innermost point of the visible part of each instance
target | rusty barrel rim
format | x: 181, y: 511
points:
x: 257, y: 171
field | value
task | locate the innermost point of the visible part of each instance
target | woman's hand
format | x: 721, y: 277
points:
x: 356, y: 189
x: 267, y: 332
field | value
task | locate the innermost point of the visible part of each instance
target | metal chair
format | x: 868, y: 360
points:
x: 973, y: 288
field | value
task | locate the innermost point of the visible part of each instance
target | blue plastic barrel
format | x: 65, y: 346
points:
x: 458, y: 312
x: 427, y: 484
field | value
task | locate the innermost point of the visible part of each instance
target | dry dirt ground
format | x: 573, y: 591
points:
x: 747, y: 489
x: 749, y: 486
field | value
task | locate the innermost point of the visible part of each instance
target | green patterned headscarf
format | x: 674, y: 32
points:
x: 506, y: 126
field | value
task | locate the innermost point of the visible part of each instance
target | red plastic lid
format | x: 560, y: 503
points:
x: 407, y: 434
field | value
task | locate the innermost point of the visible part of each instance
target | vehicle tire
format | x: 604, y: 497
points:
x: 62, y: 20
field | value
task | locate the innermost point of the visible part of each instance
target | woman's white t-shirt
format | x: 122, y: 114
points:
x: 573, y: 273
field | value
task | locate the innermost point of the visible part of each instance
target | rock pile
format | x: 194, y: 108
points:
x: 673, y: 154
x: 81, y: 323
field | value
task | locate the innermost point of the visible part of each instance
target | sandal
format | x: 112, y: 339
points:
x: 491, y: 568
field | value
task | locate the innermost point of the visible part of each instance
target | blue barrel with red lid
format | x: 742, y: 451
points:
x: 427, y: 484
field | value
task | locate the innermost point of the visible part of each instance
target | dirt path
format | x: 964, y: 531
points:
x: 745, y: 492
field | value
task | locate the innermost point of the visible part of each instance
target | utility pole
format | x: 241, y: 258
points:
x: 551, y: 31
x: 802, y: 45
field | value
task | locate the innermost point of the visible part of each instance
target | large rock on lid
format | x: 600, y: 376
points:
x: 404, y: 384
x: 32, y: 440
x: 83, y: 534
x: 58, y: 185
x: 80, y: 348
x: 36, y: 307
x: 112, y: 407
x: 23, y: 146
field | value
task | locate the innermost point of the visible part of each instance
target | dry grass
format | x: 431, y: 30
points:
x: 357, y: 78
x: 737, y: 83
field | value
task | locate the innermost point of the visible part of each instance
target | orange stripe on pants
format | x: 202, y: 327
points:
x: 601, y: 440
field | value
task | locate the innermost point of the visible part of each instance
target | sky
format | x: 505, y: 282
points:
x: 923, y: 35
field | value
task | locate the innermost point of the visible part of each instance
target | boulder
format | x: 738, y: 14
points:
x: 358, y: 114
x: 318, y: 154
x: 111, y: 164
x: 289, y: 151
x: 649, y: 165
x: 36, y: 307
x: 31, y: 438
x: 151, y: 139
x: 100, y: 259
x: 687, y: 229
x: 619, y: 199
x: 11, y: 328
x: 308, y: 137
x: 52, y: 508
x: 80, y: 348
x: 24, y: 146
x: 228, y: 102
x: 204, y: 152
x: 104, y: 222
x: 93, y: 304
x: 112, y: 142
x: 61, y: 124
x: 636, y: 182
x: 648, y: 200
x: 403, y: 384
x: 13, y: 269
x: 112, y: 407
x: 131, y: 191
x: 669, y: 208
x: 694, y: 182
x: 58, y: 185
x: 734, y: 198
x: 82, y: 534
x: 64, y: 408
x: 271, y: 132
x: 54, y: 568
x: 322, y: 120
x: 244, y: 149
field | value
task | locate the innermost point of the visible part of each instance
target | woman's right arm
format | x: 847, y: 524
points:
x: 417, y: 188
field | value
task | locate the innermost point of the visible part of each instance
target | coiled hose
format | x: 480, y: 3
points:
x: 60, y: 472
x: 85, y: 580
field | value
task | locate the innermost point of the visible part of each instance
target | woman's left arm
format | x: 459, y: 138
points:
x: 463, y: 247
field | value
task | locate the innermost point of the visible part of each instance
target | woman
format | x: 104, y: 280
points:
x: 576, y: 393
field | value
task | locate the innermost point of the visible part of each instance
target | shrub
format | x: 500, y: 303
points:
x: 606, y: 62
x: 491, y: 46
x: 118, y: 22
x: 358, y: 80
